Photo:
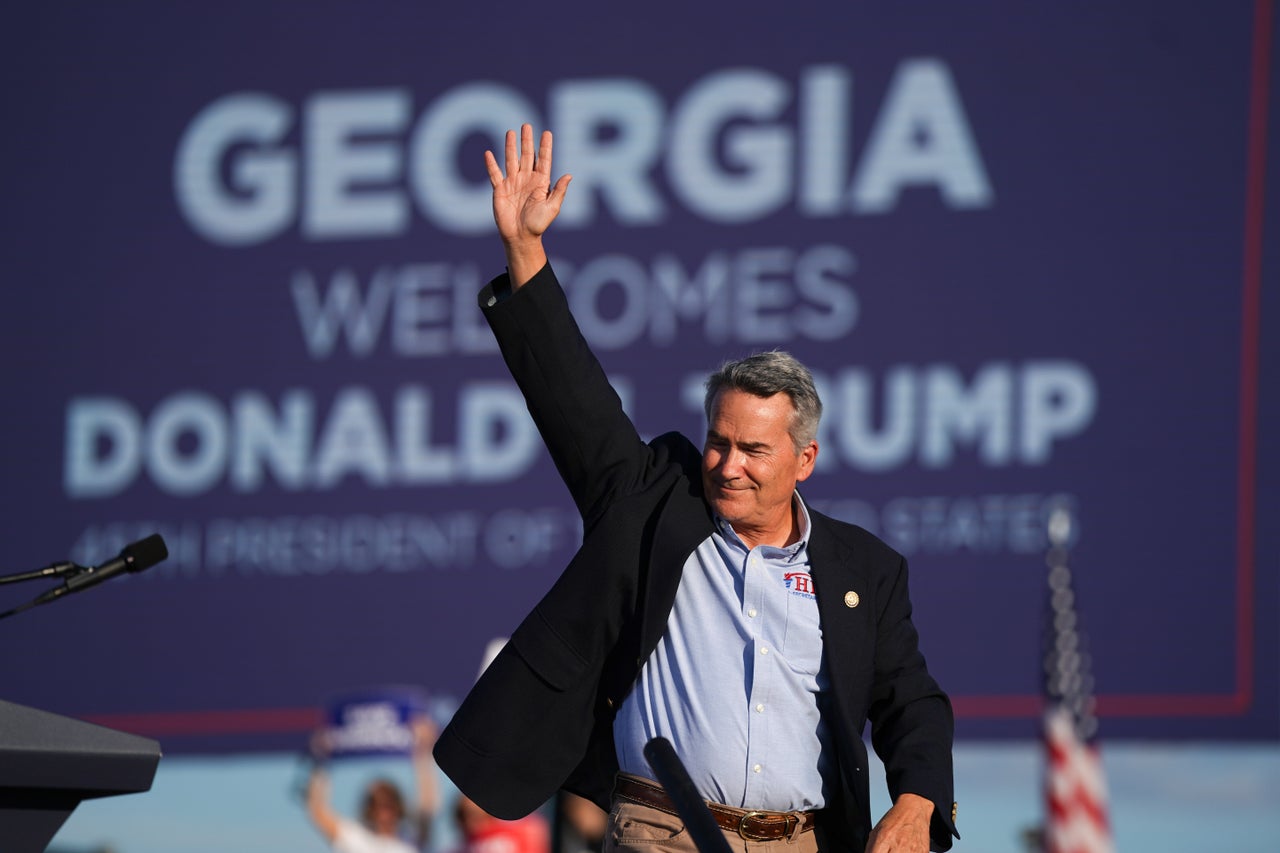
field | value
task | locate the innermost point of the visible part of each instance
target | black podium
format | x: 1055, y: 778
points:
x: 48, y: 764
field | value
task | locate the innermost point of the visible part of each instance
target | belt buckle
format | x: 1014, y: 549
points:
x: 747, y: 834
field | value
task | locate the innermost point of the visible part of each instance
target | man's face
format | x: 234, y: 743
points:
x: 750, y: 467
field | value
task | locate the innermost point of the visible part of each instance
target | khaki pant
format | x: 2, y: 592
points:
x: 635, y: 828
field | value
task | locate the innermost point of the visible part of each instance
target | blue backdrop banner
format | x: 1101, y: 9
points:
x: 1023, y: 247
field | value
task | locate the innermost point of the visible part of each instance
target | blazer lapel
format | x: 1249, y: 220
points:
x: 846, y: 604
x: 682, y: 524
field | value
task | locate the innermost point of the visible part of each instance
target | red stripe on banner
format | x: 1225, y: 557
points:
x: 1250, y: 324
x: 998, y: 707
x: 1178, y: 704
x: 213, y: 723
x: 1111, y: 705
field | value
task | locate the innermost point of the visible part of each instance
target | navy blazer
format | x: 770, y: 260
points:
x: 541, y: 716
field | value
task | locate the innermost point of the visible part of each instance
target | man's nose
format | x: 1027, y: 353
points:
x: 731, y: 463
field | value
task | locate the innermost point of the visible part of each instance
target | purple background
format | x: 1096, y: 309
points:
x: 1114, y: 142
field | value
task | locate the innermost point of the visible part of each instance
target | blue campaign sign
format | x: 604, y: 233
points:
x: 372, y: 721
x: 1023, y: 248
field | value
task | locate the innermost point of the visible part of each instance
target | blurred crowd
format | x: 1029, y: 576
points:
x: 391, y: 820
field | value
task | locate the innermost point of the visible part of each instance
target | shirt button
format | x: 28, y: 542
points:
x: 757, y: 768
x: 764, y: 650
x: 760, y: 709
x: 752, y: 613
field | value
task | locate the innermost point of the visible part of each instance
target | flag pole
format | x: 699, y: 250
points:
x: 1076, y: 803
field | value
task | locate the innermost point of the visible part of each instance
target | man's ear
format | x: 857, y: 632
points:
x: 808, y: 456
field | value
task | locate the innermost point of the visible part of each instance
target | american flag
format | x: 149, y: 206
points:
x: 1075, y: 787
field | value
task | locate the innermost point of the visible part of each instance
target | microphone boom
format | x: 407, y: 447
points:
x: 697, y: 818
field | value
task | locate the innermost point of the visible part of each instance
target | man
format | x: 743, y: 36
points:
x: 707, y: 604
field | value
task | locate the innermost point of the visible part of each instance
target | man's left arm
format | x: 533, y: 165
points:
x: 905, y: 827
x: 912, y: 731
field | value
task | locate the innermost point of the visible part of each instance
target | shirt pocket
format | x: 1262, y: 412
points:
x: 802, y: 641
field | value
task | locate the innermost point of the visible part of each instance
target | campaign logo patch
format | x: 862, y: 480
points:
x: 798, y: 583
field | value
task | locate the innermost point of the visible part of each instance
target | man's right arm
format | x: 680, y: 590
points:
x: 594, y: 445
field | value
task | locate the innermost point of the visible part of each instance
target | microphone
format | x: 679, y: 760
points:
x: 697, y: 818
x: 136, y: 557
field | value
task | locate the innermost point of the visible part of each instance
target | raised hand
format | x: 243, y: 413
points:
x: 524, y: 201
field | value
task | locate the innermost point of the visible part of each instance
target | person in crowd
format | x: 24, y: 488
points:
x: 387, y: 824
x: 579, y: 825
x: 481, y: 832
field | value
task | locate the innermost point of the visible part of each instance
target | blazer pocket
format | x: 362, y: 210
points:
x: 547, y: 654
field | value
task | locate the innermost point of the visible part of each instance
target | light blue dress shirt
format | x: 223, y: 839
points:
x: 736, y: 681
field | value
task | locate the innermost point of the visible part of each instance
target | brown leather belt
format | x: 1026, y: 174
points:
x: 751, y: 825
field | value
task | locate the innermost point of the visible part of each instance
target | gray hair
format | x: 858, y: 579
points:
x: 765, y: 374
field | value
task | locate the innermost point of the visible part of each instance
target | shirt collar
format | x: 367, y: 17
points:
x: 802, y: 544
